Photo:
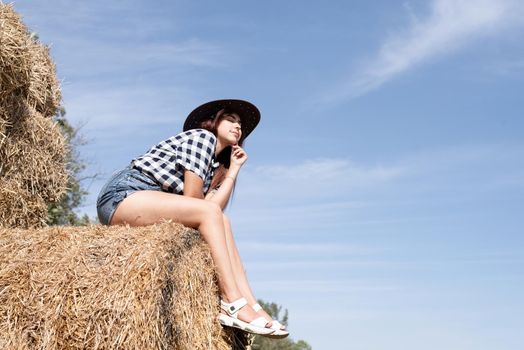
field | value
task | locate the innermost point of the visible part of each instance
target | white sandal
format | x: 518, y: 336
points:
x: 257, y: 326
x: 275, y: 325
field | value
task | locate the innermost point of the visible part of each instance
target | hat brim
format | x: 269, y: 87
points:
x: 248, y: 113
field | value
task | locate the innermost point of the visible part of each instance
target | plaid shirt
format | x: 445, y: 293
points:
x: 192, y: 150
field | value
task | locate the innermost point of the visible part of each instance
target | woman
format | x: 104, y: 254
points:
x: 189, y: 179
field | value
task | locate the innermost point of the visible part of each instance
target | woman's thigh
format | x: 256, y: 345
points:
x: 149, y: 207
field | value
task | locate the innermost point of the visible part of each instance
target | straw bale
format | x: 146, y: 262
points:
x: 26, y: 65
x: 44, y: 90
x: 13, y: 108
x: 20, y: 208
x: 112, y: 287
x: 34, y: 154
x: 15, y: 58
x: 4, y: 125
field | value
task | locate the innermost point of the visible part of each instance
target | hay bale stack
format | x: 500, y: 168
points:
x: 15, y: 59
x: 33, y: 152
x: 4, y: 125
x: 44, y: 89
x: 20, y: 208
x: 33, y: 155
x: 14, y: 108
x: 108, y: 288
x: 26, y: 67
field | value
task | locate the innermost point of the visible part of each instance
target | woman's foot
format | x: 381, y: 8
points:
x: 241, y: 315
x: 247, y: 314
x: 263, y: 313
x: 279, y: 329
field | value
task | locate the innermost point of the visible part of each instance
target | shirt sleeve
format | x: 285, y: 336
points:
x: 196, y: 153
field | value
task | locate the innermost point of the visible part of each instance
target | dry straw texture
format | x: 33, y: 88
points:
x: 108, y: 288
x: 32, y: 149
x: 4, y: 125
x: 44, y: 90
x: 20, y: 208
x: 34, y: 154
x: 15, y: 56
x: 26, y: 66
x: 14, y: 108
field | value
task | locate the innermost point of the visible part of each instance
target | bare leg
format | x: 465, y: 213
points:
x: 148, y: 207
x: 239, y: 270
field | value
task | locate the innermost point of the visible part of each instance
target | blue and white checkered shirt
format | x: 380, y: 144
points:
x: 192, y: 150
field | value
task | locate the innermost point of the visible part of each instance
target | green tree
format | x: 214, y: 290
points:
x: 63, y: 212
x: 264, y: 343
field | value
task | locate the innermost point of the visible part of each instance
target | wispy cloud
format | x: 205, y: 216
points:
x: 450, y: 26
x: 106, y: 59
x: 342, y: 180
x: 119, y: 38
x: 108, y: 106
x: 355, y: 197
x: 327, y: 169
x: 324, y: 176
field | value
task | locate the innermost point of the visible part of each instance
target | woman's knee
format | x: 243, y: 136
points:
x: 211, y: 211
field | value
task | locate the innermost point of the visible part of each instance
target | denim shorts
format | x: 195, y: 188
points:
x: 119, y: 186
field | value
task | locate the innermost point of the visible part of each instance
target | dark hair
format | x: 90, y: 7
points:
x: 224, y: 157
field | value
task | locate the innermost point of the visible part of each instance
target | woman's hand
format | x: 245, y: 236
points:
x: 238, y: 156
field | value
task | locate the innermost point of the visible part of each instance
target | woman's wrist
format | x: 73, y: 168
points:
x: 230, y: 177
x: 233, y: 172
x: 234, y: 168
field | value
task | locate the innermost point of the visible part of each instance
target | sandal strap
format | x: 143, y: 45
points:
x: 259, y: 322
x: 275, y: 324
x: 233, y: 308
x: 278, y: 326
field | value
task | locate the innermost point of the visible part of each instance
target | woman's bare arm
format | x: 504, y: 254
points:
x: 222, y: 195
x: 193, y: 185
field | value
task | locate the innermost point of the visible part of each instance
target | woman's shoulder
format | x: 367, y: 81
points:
x: 198, y: 134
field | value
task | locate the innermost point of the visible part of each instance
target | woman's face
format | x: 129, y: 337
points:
x: 229, y: 130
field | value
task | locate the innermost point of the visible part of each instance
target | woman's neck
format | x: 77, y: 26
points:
x: 219, y: 147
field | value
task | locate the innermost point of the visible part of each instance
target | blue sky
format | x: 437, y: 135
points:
x: 382, y: 200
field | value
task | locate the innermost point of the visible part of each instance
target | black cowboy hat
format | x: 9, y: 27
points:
x: 248, y: 113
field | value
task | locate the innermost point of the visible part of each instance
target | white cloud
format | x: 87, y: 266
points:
x: 450, y: 26
x: 342, y: 178
x: 328, y: 169
x: 105, y: 59
x: 316, y: 177
x: 336, y: 194
x: 126, y: 106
